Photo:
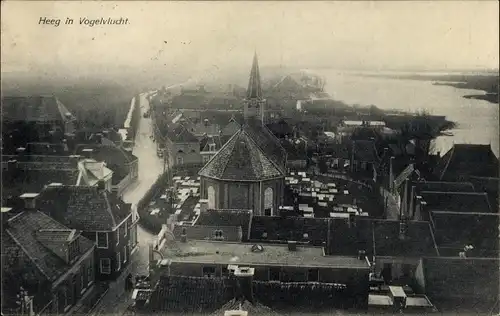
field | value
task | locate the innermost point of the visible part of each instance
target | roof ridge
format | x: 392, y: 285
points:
x: 232, y: 150
x: 109, y: 207
x: 27, y: 254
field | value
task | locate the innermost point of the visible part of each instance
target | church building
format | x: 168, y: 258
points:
x: 249, y: 171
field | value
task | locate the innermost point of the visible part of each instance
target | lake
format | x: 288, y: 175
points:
x: 477, y: 120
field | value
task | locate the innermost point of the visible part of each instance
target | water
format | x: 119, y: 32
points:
x: 477, y: 120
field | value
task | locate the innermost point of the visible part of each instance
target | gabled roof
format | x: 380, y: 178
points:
x: 455, y: 230
x: 34, y: 108
x: 24, y: 230
x: 83, y: 208
x: 457, y: 201
x: 365, y: 150
x: 180, y: 134
x: 476, y: 285
x: 241, y: 159
x: 467, y: 160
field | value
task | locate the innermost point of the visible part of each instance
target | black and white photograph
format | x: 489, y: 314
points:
x: 244, y: 158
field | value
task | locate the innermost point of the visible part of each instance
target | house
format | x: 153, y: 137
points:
x: 101, y: 216
x: 50, y: 266
x: 35, y: 118
x: 365, y: 159
x: 465, y: 160
x: 183, y: 146
x: 277, y: 275
x: 210, y: 145
x: 461, y: 285
x: 26, y: 173
x: 124, y: 164
x: 248, y: 171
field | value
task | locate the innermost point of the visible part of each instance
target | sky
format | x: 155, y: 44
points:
x: 201, y: 37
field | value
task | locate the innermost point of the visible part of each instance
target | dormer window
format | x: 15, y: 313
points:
x: 211, y: 147
x: 218, y: 234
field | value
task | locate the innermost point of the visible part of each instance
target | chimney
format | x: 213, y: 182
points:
x: 184, y: 234
x: 6, y: 214
x: 98, y: 138
x: 292, y: 245
x: 29, y: 200
x: 12, y: 165
x: 21, y: 151
x: 203, y: 205
x: 87, y: 152
x: 361, y: 254
x: 74, y: 159
x: 206, y: 122
x: 244, y: 278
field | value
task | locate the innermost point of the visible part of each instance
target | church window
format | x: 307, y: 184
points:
x: 211, y: 197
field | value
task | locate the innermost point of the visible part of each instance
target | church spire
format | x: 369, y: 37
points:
x: 254, y: 90
x: 254, y: 103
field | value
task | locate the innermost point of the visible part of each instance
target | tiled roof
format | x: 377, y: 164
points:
x: 462, y: 283
x: 365, y: 150
x: 418, y: 241
x: 84, y: 208
x: 34, y: 108
x: 198, y: 232
x: 32, y: 181
x: 467, y: 160
x: 444, y: 186
x: 342, y: 151
x: 235, y: 218
x: 457, y: 201
x: 180, y: 134
x: 266, y: 141
x: 231, y: 127
x: 345, y: 239
x: 189, y: 294
x: 241, y: 159
x: 116, y: 158
x: 279, y: 128
x: 46, y: 149
x: 24, y: 229
x: 244, y: 305
x: 290, y: 228
x: 456, y: 230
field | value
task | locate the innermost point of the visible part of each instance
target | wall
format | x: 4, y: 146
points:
x: 190, y: 152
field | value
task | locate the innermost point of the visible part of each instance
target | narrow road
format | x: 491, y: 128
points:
x: 116, y: 300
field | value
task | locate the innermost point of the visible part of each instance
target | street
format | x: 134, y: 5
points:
x: 150, y: 167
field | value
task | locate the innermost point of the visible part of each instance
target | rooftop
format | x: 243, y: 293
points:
x: 272, y: 254
x: 34, y: 108
x: 457, y: 201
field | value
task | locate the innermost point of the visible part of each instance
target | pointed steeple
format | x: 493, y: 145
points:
x: 254, y: 90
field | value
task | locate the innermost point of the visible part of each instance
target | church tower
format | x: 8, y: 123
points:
x: 253, y: 105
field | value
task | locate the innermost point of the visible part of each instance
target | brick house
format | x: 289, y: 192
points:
x: 183, y: 146
x: 102, y: 217
x: 53, y: 263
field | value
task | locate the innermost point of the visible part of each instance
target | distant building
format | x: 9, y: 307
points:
x: 183, y: 146
x: 47, y: 268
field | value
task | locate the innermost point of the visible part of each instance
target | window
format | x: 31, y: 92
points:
x: 117, y: 235
x: 218, y: 234
x: 102, y: 240
x: 126, y: 229
x: 274, y: 274
x: 118, y: 261
x: 208, y: 272
x: 211, y: 197
x: 313, y: 275
x: 211, y: 147
x: 82, y: 279
x: 124, y: 254
x: 90, y: 274
x: 363, y: 165
x: 180, y: 160
x: 105, y: 266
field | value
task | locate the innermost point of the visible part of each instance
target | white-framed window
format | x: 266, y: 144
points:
x: 105, y: 265
x: 180, y: 160
x: 126, y: 229
x: 102, y: 240
x: 125, y: 254
x: 118, y: 261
